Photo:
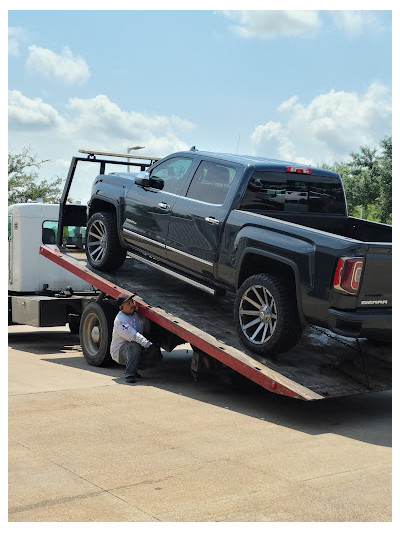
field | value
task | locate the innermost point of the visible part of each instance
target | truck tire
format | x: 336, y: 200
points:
x: 95, y: 332
x: 103, y: 249
x: 266, y: 316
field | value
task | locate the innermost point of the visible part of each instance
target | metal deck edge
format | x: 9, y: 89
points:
x: 228, y: 355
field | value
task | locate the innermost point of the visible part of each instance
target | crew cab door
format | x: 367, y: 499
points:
x: 199, y: 216
x: 148, y: 209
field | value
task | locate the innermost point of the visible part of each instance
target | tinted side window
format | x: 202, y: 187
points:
x: 172, y: 173
x: 273, y: 191
x: 211, y: 182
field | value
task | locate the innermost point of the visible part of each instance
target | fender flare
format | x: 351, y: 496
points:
x: 279, y: 259
x: 118, y: 205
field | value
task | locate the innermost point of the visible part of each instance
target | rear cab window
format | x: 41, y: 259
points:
x: 211, y: 182
x: 278, y: 191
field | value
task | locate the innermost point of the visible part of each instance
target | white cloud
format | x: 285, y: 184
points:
x: 269, y: 24
x: 95, y: 123
x: 65, y: 66
x: 328, y: 128
x: 15, y: 36
x: 31, y: 114
x: 354, y: 22
x: 104, y: 114
x: 103, y: 122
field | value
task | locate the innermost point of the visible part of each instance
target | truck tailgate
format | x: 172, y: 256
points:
x: 376, y: 285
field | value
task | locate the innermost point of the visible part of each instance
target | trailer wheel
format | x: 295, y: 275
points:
x: 96, y: 331
x: 266, y: 316
x: 103, y: 249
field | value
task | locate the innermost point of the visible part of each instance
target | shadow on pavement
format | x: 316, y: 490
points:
x: 364, y: 417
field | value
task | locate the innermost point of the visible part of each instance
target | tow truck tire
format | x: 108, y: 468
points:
x: 95, y: 332
x: 103, y: 249
x: 266, y: 316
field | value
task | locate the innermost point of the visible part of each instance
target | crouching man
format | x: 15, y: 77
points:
x: 128, y: 342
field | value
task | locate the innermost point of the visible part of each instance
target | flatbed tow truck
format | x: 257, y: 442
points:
x: 322, y: 365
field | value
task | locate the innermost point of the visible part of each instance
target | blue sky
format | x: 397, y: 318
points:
x: 308, y: 86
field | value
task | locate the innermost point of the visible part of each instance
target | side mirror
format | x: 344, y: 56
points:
x: 143, y: 179
x: 157, y: 183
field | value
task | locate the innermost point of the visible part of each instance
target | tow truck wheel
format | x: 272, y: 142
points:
x: 96, y: 331
x: 266, y: 316
x: 103, y: 249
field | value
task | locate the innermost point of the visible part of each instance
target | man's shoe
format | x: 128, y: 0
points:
x: 137, y: 375
x: 130, y: 380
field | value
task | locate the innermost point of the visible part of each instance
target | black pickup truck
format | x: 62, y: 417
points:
x: 275, y: 233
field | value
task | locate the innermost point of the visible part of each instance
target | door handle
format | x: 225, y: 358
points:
x: 212, y: 220
x: 163, y: 205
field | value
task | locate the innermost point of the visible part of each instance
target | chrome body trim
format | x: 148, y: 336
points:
x: 166, y: 270
x: 170, y: 248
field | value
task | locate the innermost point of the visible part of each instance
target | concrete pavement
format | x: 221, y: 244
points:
x: 85, y: 446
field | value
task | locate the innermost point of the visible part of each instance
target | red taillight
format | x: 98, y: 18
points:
x: 299, y: 170
x: 348, y: 274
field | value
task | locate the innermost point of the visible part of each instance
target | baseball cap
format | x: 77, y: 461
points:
x: 122, y: 298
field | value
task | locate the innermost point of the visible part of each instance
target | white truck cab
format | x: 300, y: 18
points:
x: 37, y: 294
x: 29, y: 226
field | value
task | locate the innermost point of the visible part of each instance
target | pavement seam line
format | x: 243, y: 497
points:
x: 331, y: 474
x: 57, y: 390
x: 102, y: 490
x: 49, y: 503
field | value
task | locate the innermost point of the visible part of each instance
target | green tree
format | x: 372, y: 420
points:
x: 385, y: 194
x: 23, y: 179
x: 367, y: 180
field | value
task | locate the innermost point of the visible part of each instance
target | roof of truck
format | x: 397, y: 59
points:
x: 258, y: 162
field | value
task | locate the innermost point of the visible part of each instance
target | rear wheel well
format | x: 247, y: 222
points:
x: 255, y: 264
x: 259, y: 264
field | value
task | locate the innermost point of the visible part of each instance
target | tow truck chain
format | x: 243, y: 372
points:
x: 331, y: 336
x: 358, y: 350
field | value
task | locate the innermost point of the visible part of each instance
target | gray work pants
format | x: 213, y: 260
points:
x: 130, y: 352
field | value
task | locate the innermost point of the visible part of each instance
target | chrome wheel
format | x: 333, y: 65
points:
x: 103, y: 247
x: 257, y: 314
x: 97, y: 241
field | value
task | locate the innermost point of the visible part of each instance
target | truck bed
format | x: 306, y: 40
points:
x: 344, y: 226
x: 322, y: 365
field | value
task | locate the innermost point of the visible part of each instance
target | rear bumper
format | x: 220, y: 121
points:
x: 369, y: 323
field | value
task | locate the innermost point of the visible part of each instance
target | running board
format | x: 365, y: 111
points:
x: 171, y: 272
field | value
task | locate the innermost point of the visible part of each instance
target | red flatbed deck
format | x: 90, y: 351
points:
x: 322, y: 365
